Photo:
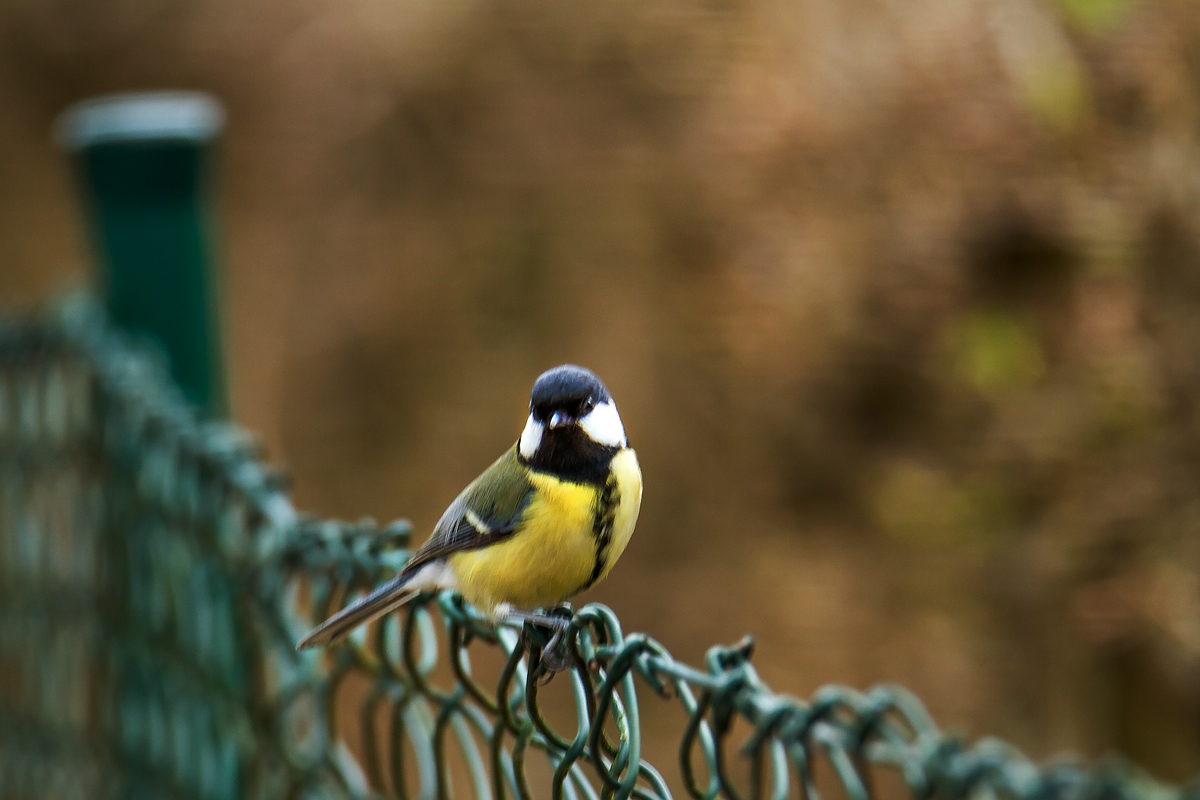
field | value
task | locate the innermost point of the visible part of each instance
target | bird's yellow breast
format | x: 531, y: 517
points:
x: 553, y: 553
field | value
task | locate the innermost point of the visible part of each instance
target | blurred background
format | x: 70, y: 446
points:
x: 900, y: 301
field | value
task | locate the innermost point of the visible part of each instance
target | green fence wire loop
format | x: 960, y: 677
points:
x: 154, y: 578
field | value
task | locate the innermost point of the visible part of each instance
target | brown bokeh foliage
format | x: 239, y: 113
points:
x: 900, y: 300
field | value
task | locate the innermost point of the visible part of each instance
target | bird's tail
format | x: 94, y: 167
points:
x: 388, y: 597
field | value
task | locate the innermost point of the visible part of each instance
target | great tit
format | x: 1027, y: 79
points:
x: 547, y: 520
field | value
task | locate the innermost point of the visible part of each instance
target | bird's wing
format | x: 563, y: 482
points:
x: 488, y: 511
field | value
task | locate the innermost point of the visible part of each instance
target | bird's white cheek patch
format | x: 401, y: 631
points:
x: 531, y: 437
x: 603, y: 425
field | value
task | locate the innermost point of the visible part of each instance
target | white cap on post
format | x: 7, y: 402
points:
x: 140, y: 116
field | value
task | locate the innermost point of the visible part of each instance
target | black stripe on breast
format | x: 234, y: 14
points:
x: 605, y: 517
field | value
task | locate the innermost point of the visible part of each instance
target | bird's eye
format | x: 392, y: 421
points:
x: 586, y: 406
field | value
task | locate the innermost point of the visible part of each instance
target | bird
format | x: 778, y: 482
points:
x: 546, y: 521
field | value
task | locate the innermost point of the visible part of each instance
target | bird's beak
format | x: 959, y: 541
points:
x: 558, y: 419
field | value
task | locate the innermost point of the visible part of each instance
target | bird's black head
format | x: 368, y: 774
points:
x: 573, y: 429
x: 569, y: 391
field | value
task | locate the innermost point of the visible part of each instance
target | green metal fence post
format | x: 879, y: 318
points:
x: 144, y: 162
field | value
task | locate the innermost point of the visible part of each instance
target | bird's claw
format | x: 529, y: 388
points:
x: 556, y: 657
x: 553, y: 653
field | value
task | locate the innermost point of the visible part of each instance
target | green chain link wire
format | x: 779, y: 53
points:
x: 154, y: 578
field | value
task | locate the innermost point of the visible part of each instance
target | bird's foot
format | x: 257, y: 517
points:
x: 555, y: 657
x: 557, y: 618
x: 543, y: 636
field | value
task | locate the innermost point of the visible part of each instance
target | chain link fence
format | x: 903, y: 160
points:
x: 154, y: 578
